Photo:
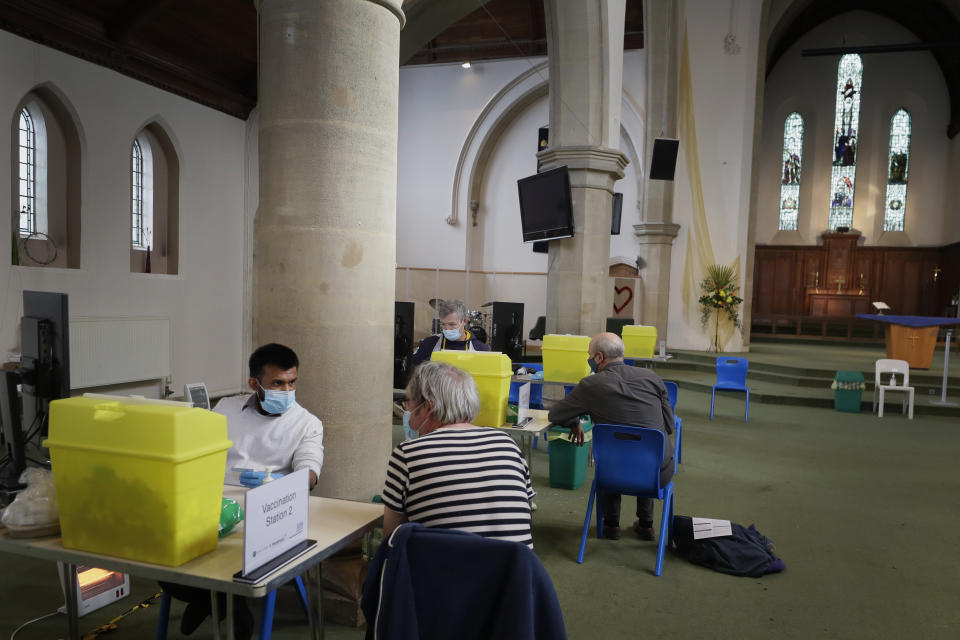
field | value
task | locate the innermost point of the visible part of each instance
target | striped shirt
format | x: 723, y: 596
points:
x: 474, y: 480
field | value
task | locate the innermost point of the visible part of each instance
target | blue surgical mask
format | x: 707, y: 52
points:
x: 410, y: 432
x: 275, y: 401
x: 451, y: 334
x: 407, y: 429
x: 593, y: 364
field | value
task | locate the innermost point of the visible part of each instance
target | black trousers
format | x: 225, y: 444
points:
x: 610, y: 503
x: 201, y: 597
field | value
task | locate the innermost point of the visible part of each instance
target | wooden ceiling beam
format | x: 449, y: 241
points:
x: 51, y: 24
x: 131, y: 16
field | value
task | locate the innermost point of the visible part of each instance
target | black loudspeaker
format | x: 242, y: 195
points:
x: 541, y: 246
x: 664, y: 160
x: 507, y: 329
x: 402, y: 343
x: 616, y: 325
x: 617, y: 213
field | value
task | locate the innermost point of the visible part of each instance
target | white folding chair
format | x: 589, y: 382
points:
x: 894, y: 368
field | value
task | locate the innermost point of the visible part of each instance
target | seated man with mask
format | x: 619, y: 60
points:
x: 619, y: 394
x: 269, y: 430
x: 455, y: 337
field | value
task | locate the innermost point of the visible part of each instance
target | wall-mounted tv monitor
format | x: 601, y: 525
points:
x: 546, y: 208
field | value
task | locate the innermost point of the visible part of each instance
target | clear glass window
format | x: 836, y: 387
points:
x: 27, y: 152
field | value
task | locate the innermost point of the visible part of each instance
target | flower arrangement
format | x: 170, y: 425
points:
x: 719, y: 291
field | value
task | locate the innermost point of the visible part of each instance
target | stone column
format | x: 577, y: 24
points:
x: 325, y: 232
x: 657, y: 231
x: 585, y: 44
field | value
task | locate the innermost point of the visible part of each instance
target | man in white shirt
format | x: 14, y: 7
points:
x: 269, y: 430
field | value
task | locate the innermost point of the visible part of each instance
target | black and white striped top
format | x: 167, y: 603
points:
x: 474, y: 480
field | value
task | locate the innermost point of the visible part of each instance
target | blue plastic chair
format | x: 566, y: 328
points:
x: 266, y: 620
x: 627, y: 461
x: 673, y: 392
x: 731, y: 376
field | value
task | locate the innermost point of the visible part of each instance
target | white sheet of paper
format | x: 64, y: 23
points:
x: 523, y: 402
x: 710, y: 528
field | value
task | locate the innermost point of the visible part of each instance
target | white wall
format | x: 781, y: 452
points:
x: 890, y: 81
x: 204, y: 301
x: 438, y: 106
x: 724, y: 92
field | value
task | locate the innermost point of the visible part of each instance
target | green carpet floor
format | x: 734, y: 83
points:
x: 862, y: 510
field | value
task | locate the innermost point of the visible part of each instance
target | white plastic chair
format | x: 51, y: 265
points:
x: 894, y: 368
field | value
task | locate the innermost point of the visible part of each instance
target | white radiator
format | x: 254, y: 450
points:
x: 105, y: 351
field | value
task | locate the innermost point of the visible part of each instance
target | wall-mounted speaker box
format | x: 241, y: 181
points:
x: 664, y: 160
x: 617, y: 212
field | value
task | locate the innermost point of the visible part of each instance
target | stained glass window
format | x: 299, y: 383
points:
x: 790, y: 171
x: 136, y: 186
x: 845, y: 141
x: 27, y: 149
x: 897, y: 168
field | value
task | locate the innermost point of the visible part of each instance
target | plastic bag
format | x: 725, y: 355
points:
x: 230, y: 515
x: 37, y: 504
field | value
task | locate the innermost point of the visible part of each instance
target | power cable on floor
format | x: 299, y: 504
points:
x: 29, y: 622
x: 111, y: 625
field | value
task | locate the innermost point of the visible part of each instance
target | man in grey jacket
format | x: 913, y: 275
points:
x: 619, y: 394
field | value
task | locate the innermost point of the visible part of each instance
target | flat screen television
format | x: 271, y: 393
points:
x: 546, y: 208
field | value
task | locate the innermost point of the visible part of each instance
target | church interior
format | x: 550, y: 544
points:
x: 241, y: 172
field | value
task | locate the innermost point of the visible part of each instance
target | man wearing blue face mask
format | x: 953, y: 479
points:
x: 268, y: 428
x: 454, y: 335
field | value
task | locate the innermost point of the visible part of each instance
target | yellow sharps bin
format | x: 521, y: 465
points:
x: 491, y: 371
x: 565, y: 358
x: 639, y: 341
x: 138, y: 481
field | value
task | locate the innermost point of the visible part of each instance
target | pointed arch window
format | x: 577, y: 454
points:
x: 136, y: 196
x: 27, y: 152
x: 790, y: 171
x: 895, y: 206
x: 845, y: 141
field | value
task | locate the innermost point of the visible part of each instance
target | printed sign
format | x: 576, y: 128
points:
x: 276, y: 518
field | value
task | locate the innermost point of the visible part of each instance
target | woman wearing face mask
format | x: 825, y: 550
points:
x: 454, y: 335
x: 455, y: 475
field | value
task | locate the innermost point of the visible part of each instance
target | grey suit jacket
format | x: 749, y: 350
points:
x: 620, y: 394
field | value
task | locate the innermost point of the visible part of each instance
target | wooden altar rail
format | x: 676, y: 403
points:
x: 847, y: 328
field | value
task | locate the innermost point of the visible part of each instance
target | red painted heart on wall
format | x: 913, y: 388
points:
x: 618, y: 291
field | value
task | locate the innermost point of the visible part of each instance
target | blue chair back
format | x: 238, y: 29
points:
x: 732, y: 373
x: 627, y: 459
x: 673, y: 391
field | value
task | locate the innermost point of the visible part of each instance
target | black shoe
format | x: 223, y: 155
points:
x: 644, y: 533
x: 611, y: 532
x: 193, y: 617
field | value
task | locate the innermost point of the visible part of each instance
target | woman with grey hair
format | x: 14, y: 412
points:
x: 454, y: 335
x: 456, y: 475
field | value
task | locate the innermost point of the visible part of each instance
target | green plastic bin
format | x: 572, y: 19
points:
x: 568, y: 462
x: 848, y: 390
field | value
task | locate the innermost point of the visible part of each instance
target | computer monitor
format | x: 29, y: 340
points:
x: 546, y: 206
x: 44, y: 356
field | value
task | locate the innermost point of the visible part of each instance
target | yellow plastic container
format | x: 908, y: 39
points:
x: 639, y: 341
x: 491, y: 371
x: 565, y: 358
x: 138, y: 481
